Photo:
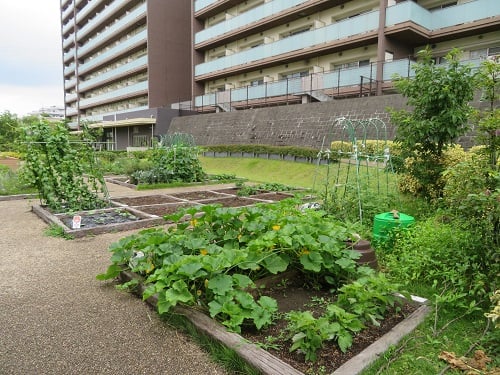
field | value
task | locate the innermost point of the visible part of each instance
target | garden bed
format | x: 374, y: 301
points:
x: 145, y: 211
x: 367, y: 345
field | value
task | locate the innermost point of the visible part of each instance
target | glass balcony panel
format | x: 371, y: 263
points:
x: 362, y: 24
x: 124, y: 91
x: 204, y: 100
x: 200, y: 4
x: 239, y: 94
x: 433, y: 20
x: 116, y: 50
x: 253, y: 15
x: 276, y: 88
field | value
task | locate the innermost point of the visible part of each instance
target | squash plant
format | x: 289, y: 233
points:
x: 213, y: 260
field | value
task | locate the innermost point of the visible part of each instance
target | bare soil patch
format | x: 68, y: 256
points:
x: 197, y: 195
x: 146, y: 200
x: 163, y: 209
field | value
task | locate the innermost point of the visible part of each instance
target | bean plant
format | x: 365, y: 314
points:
x: 63, y: 171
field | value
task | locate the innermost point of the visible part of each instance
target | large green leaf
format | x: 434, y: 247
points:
x: 275, y: 263
x: 220, y: 284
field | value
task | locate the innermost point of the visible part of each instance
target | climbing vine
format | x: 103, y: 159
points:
x: 63, y: 170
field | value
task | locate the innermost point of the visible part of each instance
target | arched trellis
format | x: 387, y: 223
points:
x: 363, y: 158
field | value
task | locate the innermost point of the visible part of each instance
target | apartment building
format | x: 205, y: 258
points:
x: 263, y: 52
x: 123, y: 60
x: 128, y: 63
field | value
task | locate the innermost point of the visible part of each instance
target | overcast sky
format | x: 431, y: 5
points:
x: 30, y: 56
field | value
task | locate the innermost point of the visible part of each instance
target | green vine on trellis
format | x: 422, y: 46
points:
x: 63, y: 170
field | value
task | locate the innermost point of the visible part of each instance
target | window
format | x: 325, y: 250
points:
x: 301, y: 74
x: 352, y: 64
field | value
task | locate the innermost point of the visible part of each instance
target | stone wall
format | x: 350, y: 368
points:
x: 307, y: 125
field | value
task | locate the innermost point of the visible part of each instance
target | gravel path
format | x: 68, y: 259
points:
x: 56, y: 318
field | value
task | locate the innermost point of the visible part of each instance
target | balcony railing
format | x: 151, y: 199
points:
x: 352, y: 82
x: 442, y: 18
x: 200, y: 4
x: 103, y: 37
x: 118, y: 94
x: 331, y: 33
x: 114, y: 73
x: 253, y: 15
x: 137, y: 39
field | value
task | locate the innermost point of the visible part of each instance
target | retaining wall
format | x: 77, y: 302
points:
x: 307, y: 125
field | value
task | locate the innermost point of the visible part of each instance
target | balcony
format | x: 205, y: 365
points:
x: 89, y: 9
x: 200, y: 4
x: 69, y: 69
x: 117, y: 28
x: 70, y: 40
x: 365, y: 23
x: 124, y: 47
x: 100, y: 20
x: 136, y: 89
x: 253, y: 15
x: 67, y: 12
x: 433, y: 21
x: 353, y: 82
x: 114, y: 74
x: 69, y: 98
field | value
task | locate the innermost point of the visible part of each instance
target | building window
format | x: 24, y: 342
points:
x: 301, y: 74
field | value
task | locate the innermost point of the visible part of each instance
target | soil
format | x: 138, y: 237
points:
x: 196, y: 195
x: 162, y: 209
x: 92, y: 219
x: 146, y: 200
x: 330, y: 357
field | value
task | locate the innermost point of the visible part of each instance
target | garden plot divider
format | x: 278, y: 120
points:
x: 268, y: 364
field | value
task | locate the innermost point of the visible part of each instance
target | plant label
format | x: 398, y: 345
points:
x: 77, y: 220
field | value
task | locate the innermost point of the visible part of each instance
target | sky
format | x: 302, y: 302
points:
x: 30, y: 56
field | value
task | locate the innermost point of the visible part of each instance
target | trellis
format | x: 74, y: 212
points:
x: 358, y: 163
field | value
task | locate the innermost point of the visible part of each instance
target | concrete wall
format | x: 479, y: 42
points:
x: 307, y: 125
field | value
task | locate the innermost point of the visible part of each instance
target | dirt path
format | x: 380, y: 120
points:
x: 56, y: 318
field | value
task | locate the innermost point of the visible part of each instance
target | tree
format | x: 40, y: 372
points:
x: 10, y: 131
x: 440, y: 96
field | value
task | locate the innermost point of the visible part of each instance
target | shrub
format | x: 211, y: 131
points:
x: 171, y: 164
x: 441, y: 252
x: 417, y: 180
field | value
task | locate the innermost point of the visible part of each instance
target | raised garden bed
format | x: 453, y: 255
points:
x: 99, y: 221
x: 367, y: 346
x: 145, y: 211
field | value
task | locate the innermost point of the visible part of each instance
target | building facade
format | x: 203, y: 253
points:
x: 262, y: 52
x: 123, y: 59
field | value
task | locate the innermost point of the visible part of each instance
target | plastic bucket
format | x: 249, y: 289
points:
x: 387, y: 221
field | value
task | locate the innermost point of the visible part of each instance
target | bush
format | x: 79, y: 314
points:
x: 418, y: 180
x: 171, y: 164
x: 444, y: 253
